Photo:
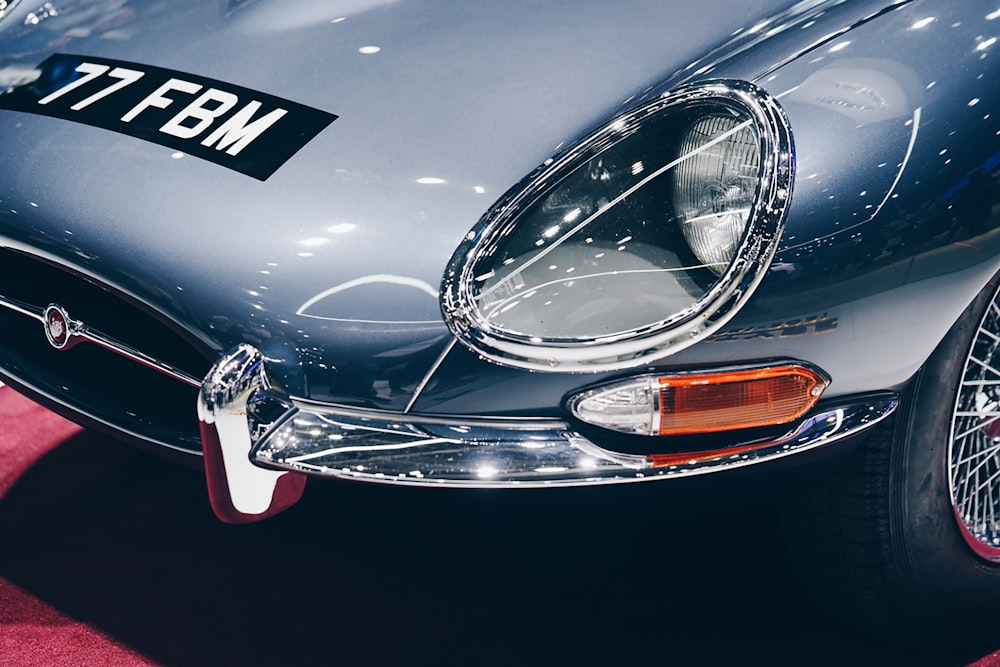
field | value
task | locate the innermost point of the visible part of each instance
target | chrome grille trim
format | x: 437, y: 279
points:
x: 80, y: 332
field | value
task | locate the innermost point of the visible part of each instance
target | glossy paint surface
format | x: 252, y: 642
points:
x: 332, y: 266
x: 892, y: 228
x: 335, y: 260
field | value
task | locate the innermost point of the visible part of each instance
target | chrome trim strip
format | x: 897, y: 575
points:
x: 427, y: 378
x: 80, y: 332
x: 392, y: 448
x: 22, y: 308
x: 109, y: 343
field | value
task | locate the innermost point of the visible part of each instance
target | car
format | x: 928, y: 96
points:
x: 522, y: 245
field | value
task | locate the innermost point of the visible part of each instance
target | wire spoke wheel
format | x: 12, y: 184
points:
x: 903, y: 535
x: 974, y: 448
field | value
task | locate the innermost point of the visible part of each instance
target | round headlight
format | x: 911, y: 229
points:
x: 714, y: 189
x: 641, y: 240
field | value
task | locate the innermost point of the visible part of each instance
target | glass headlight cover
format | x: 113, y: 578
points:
x: 644, y: 238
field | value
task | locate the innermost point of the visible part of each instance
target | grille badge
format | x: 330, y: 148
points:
x: 59, y: 328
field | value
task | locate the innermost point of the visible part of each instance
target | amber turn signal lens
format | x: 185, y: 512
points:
x: 710, y: 402
x: 692, y: 403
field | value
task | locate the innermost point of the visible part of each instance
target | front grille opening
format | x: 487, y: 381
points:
x: 86, y: 378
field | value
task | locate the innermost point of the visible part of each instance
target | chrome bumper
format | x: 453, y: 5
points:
x: 260, y: 444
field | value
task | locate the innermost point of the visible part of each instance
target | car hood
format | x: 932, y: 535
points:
x: 331, y: 265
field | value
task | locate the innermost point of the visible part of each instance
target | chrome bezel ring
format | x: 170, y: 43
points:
x: 676, y: 331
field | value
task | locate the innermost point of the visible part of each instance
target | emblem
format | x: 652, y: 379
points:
x: 57, y: 326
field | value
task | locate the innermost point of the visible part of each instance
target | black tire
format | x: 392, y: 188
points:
x: 883, y: 543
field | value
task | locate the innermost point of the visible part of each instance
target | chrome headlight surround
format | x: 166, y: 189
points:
x: 477, y: 258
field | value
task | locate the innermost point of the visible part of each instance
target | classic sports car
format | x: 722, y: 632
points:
x: 526, y: 244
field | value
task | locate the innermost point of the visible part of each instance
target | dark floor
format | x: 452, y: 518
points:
x: 361, y: 574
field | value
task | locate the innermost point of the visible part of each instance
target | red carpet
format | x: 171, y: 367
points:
x: 33, y: 633
x: 28, y: 433
x: 111, y: 557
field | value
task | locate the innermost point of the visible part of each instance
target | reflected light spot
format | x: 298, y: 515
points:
x: 479, y: 189
x: 339, y: 19
x: 431, y: 180
x: 992, y: 16
x: 305, y: 254
x: 982, y: 46
x: 369, y: 50
x: 839, y: 47
x: 314, y: 242
x: 974, y: 101
x: 177, y: 156
x: 922, y: 23
x: 486, y: 471
x: 342, y: 228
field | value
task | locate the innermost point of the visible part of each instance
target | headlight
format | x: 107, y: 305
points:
x: 715, y: 187
x: 643, y: 239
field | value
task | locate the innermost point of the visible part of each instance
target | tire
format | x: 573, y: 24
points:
x: 899, y: 538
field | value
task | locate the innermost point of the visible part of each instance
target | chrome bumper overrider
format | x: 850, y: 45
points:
x: 261, y: 439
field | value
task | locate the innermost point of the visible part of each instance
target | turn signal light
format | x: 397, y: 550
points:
x: 694, y: 403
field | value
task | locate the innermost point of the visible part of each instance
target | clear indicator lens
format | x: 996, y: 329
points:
x: 630, y: 407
